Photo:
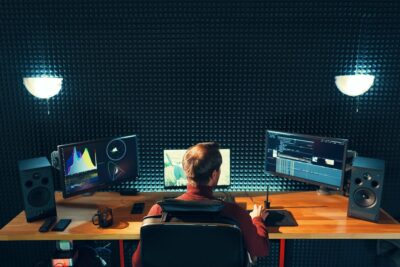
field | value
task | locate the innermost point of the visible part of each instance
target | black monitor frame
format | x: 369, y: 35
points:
x: 322, y: 185
x: 184, y: 186
x: 100, y: 186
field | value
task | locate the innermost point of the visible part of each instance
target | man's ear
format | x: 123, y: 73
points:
x: 215, y: 176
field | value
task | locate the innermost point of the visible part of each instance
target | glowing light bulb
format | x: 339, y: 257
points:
x: 43, y: 87
x: 354, y: 85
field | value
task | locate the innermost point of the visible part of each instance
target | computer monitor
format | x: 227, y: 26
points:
x: 314, y: 160
x: 174, y: 176
x: 92, y: 165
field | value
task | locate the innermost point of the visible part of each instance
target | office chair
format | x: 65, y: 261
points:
x: 191, y: 233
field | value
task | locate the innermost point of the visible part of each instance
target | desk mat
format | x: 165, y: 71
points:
x: 280, y: 218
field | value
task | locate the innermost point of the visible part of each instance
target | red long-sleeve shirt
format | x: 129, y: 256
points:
x: 254, y: 231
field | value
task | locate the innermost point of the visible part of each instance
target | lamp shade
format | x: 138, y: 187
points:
x: 43, y: 87
x: 354, y: 85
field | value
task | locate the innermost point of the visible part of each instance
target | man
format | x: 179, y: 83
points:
x: 201, y: 164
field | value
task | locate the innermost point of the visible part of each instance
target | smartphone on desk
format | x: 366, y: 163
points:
x: 61, y: 225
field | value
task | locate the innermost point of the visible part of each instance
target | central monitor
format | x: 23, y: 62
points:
x: 310, y: 159
x: 91, y: 165
x: 174, y: 176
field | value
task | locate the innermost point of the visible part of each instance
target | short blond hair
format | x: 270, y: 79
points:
x: 200, y: 161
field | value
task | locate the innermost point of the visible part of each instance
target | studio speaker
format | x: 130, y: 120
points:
x: 37, y: 186
x: 366, y: 186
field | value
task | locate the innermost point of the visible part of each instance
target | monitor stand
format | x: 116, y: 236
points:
x: 322, y: 190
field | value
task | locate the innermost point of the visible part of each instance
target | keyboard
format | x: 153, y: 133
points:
x: 230, y: 199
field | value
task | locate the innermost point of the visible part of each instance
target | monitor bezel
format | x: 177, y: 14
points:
x: 329, y: 186
x: 184, y: 186
x: 98, y: 187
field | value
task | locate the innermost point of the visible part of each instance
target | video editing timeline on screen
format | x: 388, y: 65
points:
x: 174, y: 176
x: 316, y: 160
x: 93, y: 164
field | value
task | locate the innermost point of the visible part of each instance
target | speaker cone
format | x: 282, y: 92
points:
x: 39, y: 196
x: 364, y: 197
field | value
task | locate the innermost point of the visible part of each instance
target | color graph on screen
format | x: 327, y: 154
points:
x: 79, y: 162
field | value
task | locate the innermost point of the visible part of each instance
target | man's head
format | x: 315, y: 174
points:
x: 202, y: 163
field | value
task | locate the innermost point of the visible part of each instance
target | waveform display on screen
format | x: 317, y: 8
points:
x: 80, y: 162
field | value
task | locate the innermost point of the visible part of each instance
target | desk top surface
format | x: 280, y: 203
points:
x: 318, y: 217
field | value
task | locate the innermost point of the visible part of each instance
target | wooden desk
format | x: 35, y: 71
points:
x: 318, y: 217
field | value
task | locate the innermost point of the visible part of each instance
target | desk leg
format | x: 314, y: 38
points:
x: 121, y: 253
x: 282, y: 253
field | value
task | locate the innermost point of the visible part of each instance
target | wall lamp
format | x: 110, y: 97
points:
x: 354, y: 85
x: 43, y: 87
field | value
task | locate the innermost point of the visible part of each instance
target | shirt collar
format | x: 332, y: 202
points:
x: 200, y: 190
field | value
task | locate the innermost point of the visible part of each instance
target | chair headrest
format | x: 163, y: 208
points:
x: 179, y: 206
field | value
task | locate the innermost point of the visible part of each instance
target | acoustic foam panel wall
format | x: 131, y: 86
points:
x: 176, y: 73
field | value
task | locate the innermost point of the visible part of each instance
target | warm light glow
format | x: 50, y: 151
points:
x: 43, y: 87
x: 354, y: 85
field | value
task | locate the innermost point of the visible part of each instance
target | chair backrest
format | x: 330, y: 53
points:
x: 190, y: 233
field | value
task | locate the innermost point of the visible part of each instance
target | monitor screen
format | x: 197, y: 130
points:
x: 91, y: 165
x: 174, y: 176
x: 311, y: 159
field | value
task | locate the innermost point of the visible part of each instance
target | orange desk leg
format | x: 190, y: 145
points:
x: 282, y: 253
x: 121, y: 254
